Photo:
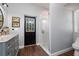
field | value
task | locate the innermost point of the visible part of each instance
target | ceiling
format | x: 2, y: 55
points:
x: 43, y: 5
x: 72, y: 6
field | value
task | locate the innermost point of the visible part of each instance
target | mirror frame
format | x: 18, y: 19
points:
x: 2, y: 18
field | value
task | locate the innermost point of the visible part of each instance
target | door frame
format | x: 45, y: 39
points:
x: 25, y: 28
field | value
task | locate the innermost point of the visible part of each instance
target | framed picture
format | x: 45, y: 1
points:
x: 0, y: 24
x: 0, y: 17
x: 15, y: 21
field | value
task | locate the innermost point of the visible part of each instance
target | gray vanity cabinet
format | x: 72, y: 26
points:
x: 9, y: 48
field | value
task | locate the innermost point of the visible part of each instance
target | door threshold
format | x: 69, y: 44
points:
x: 30, y: 45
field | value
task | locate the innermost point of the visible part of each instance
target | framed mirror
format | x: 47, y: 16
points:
x: 1, y: 18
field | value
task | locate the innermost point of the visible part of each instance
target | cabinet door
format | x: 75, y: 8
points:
x: 12, y: 46
x: 2, y: 49
x: 16, y: 44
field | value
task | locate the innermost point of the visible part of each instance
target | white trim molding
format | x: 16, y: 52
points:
x: 61, y: 51
x: 20, y: 47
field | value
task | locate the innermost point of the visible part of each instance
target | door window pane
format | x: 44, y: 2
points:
x: 30, y: 25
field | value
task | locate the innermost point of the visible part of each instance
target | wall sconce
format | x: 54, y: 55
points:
x: 5, y: 4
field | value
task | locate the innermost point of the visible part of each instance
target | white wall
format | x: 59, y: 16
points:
x: 20, y: 10
x: 76, y: 25
x: 76, y: 20
x: 60, y: 27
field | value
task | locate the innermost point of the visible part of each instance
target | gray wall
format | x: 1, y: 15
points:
x: 60, y: 28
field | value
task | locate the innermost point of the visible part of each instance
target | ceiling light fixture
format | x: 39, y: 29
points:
x: 5, y: 4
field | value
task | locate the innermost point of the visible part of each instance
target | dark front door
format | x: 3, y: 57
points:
x: 30, y: 30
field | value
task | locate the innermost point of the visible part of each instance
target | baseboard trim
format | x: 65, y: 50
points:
x: 44, y: 49
x: 20, y: 47
x: 62, y: 51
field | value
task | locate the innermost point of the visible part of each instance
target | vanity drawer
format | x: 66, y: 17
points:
x: 12, y: 46
x: 10, y: 52
x: 10, y: 42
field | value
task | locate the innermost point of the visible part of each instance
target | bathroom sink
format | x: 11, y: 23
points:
x: 7, y: 37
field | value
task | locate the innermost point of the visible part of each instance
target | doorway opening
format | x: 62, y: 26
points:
x: 30, y: 30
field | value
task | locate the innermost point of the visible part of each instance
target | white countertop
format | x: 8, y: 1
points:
x: 6, y: 38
